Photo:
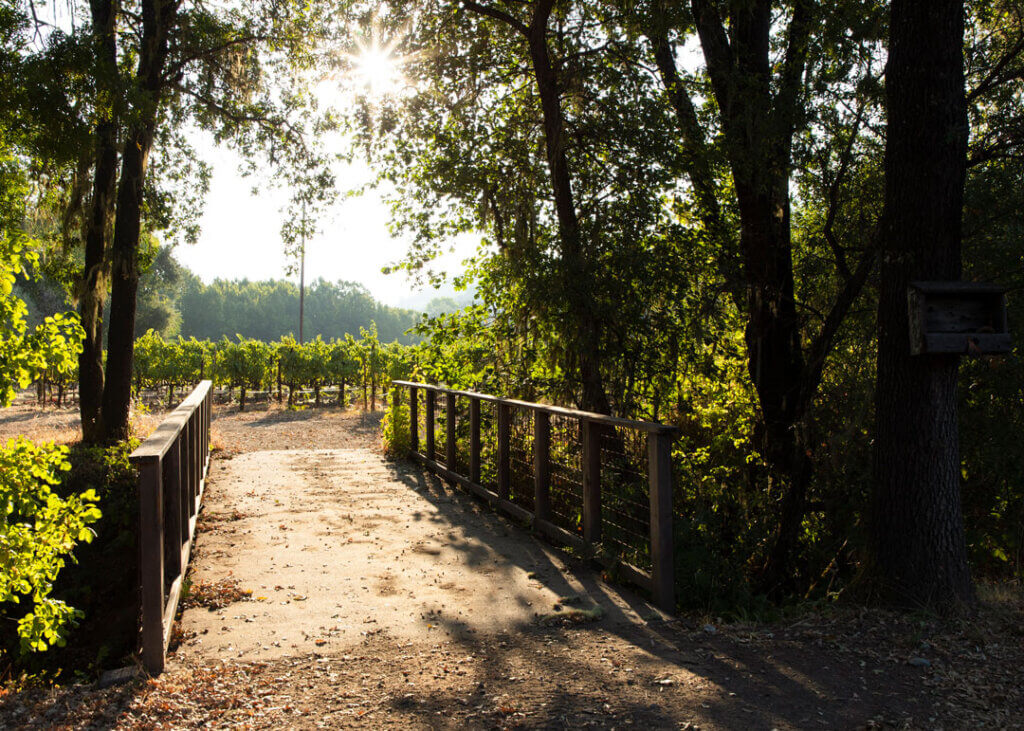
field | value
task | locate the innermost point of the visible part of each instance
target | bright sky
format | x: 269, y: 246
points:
x: 241, y: 230
x: 240, y: 236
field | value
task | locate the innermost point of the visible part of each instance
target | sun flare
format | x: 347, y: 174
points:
x: 378, y: 70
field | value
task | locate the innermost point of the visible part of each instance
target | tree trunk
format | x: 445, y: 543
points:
x: 918, y: 555
x: 157, y: 17
x: 586, y: 335
x: 341, y: 393
x: 758, y: 120
x: 241, y: 400
x: 92, y: 288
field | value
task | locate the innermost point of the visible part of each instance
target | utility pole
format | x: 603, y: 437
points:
x: 302, y: 275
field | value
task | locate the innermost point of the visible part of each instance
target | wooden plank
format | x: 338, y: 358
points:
x: 967, y: 343
x: 591, y: 432
x: 558, y: 534
x: 151, y: 564
x: 474, y: 440
x: 449, y: 431
x: 431, y: 400
x: 659, y: 474
x: 504, y: 450
x: 542, y: 464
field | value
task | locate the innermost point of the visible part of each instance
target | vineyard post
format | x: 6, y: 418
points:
x: 503, y: 450
x: 591, y: 481
x: 541, y: 465
x: 474, y: 440
x: 431, y: 398
x: 659, y: 473
x: 449, y: 432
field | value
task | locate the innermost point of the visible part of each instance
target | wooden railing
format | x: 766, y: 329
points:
x: 580, y: 478
x: 172, y: 465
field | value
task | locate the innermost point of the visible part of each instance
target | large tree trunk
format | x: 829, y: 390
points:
x: 157, y: 18
x: 124, y: 286
x: 92, y: 288
x: 775, y: 363
x: 586, y: 337
x: 918, y: 554
x: 758, y: 122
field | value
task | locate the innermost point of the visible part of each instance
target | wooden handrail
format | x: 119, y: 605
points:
x: 660, y: 580
x: 644, y: 426
x: 172, y: 463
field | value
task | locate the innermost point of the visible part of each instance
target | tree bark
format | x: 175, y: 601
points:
x: 92, y: 288
x: 157, y: 18
x: 918, y: 555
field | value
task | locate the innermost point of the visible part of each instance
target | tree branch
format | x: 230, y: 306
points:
x: 718, y: 54
x: 992, y: 77
x: 501, y: 15
x: 822, y: 345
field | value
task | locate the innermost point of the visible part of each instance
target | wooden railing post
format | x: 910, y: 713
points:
x: 591, y: 433
x: 414, y: 419
x: 197, y: 467
x: 542, y: 465
x: 151, y: 564
x: 188, y: 485
x: 172, y: 465
x: 474, y: 440
x: 431, y: 397
x: 209, y: 423
x: 504, y: 446
x: 449, y: 432
x: 659, y: 472
x: 175, y: 517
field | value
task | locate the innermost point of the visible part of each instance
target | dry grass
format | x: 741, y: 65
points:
x: 216, y: 440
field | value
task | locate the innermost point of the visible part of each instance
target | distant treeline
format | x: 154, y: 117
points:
x: 269, y: 310
x: 173, y: 301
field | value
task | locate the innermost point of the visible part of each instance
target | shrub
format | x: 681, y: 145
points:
x: 395, y: 429
x: 38, y: 531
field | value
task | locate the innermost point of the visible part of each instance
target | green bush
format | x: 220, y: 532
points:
x: 395, y: 429
x: 38, y: 532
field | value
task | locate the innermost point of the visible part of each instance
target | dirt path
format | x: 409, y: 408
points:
x: 332, y: 588
x: 339, y: 545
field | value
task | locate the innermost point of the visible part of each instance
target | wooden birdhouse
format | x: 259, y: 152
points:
x: 963, y: 318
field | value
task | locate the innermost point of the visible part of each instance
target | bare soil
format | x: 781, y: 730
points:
x: 333, y: 588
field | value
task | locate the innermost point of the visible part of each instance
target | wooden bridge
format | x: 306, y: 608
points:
x: 599, y: 484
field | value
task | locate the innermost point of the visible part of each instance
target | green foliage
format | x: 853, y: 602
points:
x: 25, y: 354
x: 395, y: 429
x: 38, y: 528
x: 38, y: 531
